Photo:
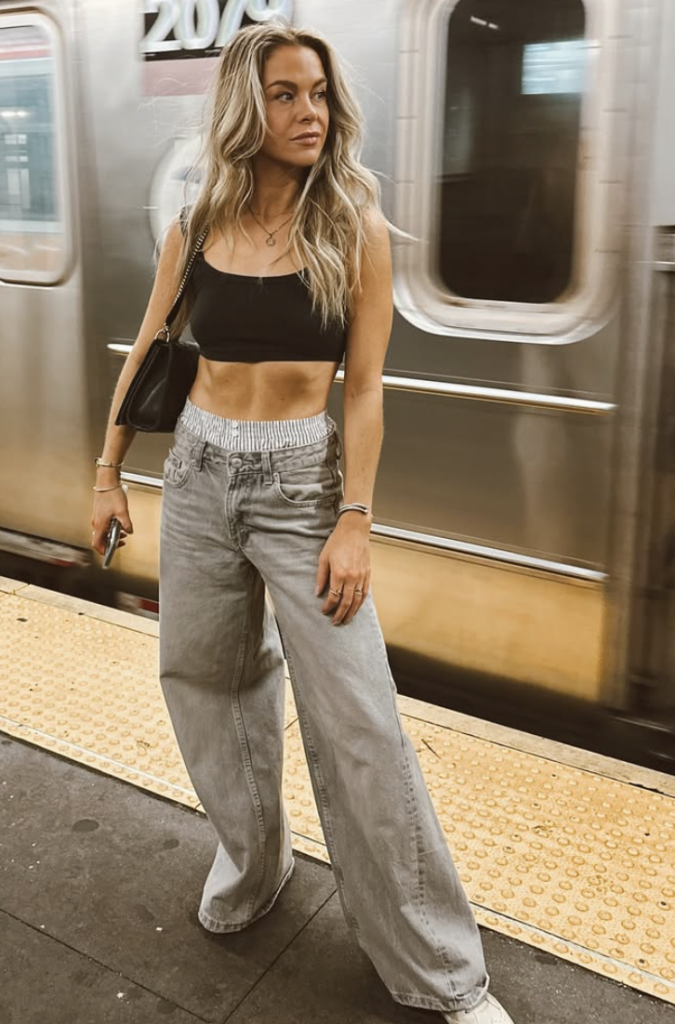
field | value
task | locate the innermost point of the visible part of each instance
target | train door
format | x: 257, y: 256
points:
x: 42, y: 413
x: 510, y: 173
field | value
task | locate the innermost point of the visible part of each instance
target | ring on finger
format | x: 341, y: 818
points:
x: 358, y: 590
x: 338, y: 593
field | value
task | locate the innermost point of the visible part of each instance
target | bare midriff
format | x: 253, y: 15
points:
x: 263, y: 391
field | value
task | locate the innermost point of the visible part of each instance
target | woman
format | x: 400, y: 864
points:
x: 294, y: 274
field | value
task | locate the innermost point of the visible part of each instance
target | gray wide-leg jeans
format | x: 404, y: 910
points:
x: 234, y: 523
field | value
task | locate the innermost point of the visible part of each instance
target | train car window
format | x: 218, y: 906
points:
x: 32, y: 232
x: 514, y: 85
x: 512, y: 161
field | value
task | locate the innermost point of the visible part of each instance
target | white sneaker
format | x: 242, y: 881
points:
x: 487, y: 1012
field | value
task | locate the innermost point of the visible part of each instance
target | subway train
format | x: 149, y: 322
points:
x: 524, y: 543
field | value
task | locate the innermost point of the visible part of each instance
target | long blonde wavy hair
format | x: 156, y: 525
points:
x: 329, y: 225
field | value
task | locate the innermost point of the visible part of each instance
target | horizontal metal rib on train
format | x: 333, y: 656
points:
x: 566, y: 403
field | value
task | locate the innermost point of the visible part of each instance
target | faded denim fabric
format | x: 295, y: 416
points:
x: 234, y: 523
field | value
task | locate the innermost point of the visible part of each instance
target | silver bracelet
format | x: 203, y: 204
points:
x: 102, y: 490
x: 355, y: 506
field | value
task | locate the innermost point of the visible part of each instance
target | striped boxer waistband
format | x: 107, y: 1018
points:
x: 254, y: 435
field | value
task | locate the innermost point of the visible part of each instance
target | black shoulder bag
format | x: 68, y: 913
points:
x: 157, y: 394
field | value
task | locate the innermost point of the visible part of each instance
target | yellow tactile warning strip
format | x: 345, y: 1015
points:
x: 576, y: 858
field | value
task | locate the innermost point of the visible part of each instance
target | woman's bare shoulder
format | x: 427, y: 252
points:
x: 170, y: 252
x: 375, y: 227
x: 376, y: 246
x: 173, y: 238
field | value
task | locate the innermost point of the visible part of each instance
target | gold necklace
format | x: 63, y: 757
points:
x: 271, y: 240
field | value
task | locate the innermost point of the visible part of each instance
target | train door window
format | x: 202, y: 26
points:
x: 32, y: 223
x: 515, y: 76
x: 508, y: 164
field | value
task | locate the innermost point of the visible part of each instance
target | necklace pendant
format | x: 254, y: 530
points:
x: 271, y: 241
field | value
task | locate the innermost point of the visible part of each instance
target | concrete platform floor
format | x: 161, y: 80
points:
x: 99, y: 885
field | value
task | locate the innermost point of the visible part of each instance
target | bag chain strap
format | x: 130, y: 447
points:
x: 166, y: 329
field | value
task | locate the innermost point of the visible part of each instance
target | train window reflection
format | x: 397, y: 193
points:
x: 31, y: 221
x: 553, y: 67
x: 515, y: 74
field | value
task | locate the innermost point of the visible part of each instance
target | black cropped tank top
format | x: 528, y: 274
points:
x: 244, y: 319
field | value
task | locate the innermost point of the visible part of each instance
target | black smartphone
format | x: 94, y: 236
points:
x: 112, y: 540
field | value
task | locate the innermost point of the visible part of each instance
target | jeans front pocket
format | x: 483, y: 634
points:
x: 176, y: 468
x: 306, y: 486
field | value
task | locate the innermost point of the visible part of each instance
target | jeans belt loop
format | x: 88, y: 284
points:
x: 266, y: 468
x: 198, y: 454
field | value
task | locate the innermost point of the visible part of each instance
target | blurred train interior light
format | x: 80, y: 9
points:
x: 556, y: 67
x: 483, y: 23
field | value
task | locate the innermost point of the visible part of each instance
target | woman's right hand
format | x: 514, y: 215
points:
x: 109, y: 504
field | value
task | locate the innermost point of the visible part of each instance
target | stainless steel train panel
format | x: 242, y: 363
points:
x: 533, y: 481
x: 652, y: 650
x: 663, y: 192
x: 43, y: 393
x: 508, y: 478
x: 479, y: 616
x: 639, y: 354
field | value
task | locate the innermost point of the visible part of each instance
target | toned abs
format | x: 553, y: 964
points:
x: 263, y: 391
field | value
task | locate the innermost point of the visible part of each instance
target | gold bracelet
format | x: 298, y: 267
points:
x: 102, y: 490
x: 103, y: 464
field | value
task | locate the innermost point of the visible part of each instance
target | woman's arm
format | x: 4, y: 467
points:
x: 113, y: 502
x: 344, y: 565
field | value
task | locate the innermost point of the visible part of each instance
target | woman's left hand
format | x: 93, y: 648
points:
x: 344, y: 568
